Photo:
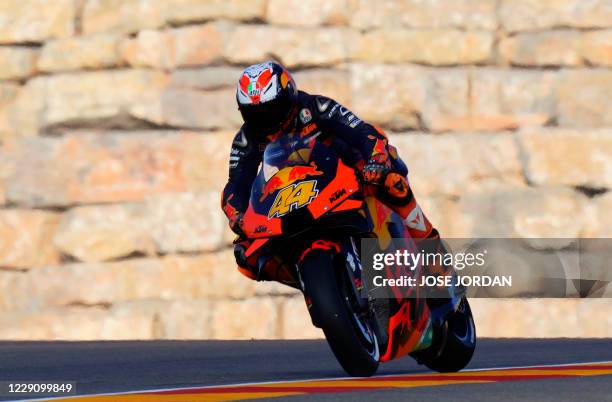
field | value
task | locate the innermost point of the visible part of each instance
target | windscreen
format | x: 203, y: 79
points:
x: 285, y: 151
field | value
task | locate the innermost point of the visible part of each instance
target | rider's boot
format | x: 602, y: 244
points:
x: 398, y: 195
x: 261, y: 266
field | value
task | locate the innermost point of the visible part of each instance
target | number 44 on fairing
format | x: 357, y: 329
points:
x: 293, y: 197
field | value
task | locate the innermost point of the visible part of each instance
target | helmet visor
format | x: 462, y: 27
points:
x: 269, y: 115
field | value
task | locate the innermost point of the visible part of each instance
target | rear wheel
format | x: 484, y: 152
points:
x: 459, y: 343
x: 348, y: 332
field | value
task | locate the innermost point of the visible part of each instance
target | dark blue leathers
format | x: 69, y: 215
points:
x: 358, y: 142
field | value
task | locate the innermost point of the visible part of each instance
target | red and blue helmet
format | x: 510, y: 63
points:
x: 266, y: 96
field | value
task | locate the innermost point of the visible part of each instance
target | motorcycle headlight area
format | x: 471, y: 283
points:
x: 269, y: 171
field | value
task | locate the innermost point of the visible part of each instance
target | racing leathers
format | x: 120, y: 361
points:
x: 362, y: 146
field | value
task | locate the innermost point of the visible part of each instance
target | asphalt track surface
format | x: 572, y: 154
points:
x: 112, y: 367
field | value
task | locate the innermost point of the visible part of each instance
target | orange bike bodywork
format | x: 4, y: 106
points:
x: 409, y: 324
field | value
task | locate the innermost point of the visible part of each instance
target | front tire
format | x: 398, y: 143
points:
x: 349, y: 335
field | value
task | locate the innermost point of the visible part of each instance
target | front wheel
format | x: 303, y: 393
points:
x: 348, y: 333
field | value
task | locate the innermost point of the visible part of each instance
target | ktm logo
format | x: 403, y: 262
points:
x: 336, y: 195
x: 293, y: 197
x: 308, y: 129
x: 260, y: 229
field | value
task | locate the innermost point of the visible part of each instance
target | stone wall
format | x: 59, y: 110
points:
x: 116, y: 118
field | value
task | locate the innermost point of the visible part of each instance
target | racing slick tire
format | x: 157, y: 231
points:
x: 349, y: 335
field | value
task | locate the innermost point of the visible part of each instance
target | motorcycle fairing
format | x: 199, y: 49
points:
x: 339, y: 189
x: 409, y: 326
x: 334, y: 189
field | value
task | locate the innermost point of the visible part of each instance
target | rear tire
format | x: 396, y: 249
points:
x: 460, y: 342
x: 351, y: 339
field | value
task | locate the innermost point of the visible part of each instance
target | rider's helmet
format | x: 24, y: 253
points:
x: 266, y: 96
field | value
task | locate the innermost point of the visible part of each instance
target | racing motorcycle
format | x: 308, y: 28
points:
x: 310, y: 210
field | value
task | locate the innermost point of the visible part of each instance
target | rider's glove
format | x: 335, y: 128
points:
x: 375, y: 171
x: 234, y: 216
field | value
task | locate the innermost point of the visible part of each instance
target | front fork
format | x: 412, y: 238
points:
x: 345, y: 257
x: 355, y: 274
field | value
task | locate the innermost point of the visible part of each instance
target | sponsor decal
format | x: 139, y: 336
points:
x: 253, y: 89
x: 322, y: 104
x: 333, y: 109
x: 308, y: 129
x: 416, y: 220
x: 289, y: 176
x: 354, y: 123
x: 350, y: 119
x: 293, y: 197
x: 305, y: 116
x: 337, y: 194
x: 241, y: 140
x: 255, y: 82
x: 260, y: 229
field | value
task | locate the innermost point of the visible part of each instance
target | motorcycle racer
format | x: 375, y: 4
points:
x: 271, y: 106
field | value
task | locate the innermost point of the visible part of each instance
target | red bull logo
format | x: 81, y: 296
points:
x: 288, y: 176
x: 301, y: 172
x: 274, y: 184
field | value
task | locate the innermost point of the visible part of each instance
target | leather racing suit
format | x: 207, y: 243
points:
x: 360, y: 142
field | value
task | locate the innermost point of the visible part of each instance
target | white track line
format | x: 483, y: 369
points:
x: 242, y: 384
